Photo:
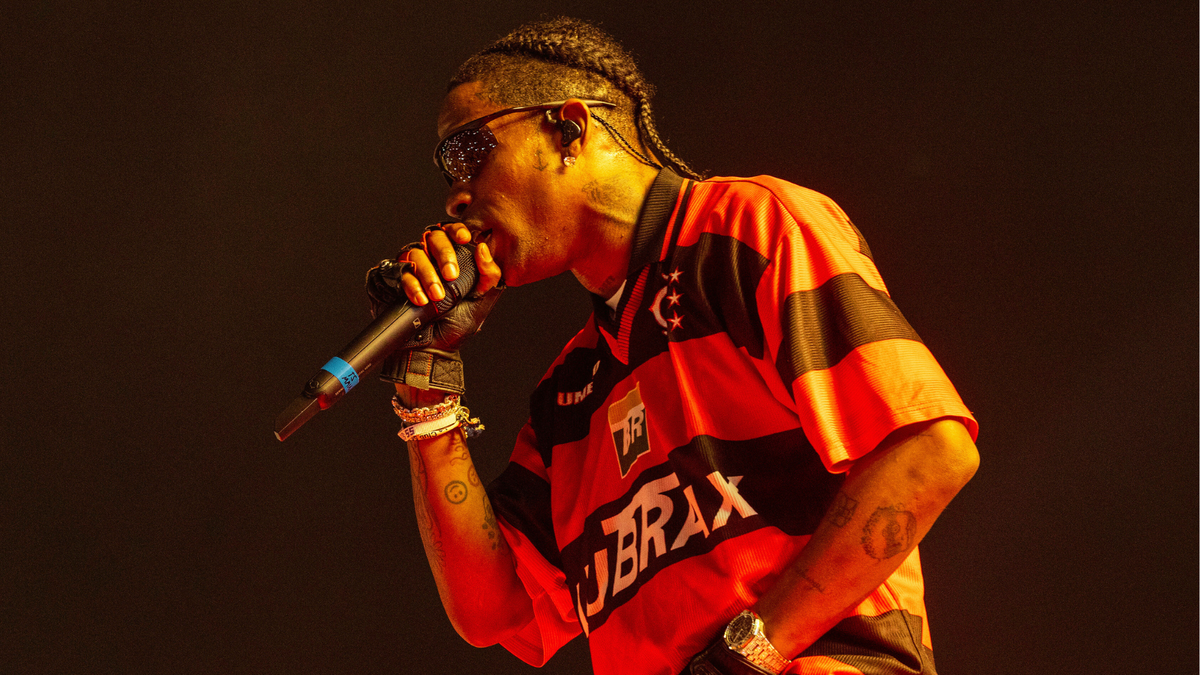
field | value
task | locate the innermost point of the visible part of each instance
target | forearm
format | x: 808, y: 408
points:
x: 886, y: 506
x: 470, y: 559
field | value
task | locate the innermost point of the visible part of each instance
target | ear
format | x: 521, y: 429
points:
x: 574, y: 125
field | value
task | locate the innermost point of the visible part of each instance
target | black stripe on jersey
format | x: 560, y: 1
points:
x: 557, y: 419
x: 719, y: 277
x: 522, y: 499
x: 776, y: 467
x: 888, y: 644
x: 823, y: 325
x: 768, y: 473
x: 717, y: 283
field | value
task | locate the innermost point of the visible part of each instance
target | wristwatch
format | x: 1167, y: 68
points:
x: 744, y: 636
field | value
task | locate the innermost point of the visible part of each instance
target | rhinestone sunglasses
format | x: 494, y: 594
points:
x: 465, y: 147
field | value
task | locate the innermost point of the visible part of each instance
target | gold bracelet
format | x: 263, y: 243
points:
x: 418, y: 415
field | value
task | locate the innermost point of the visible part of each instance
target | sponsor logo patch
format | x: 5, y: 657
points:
x: 663, y: 521
x: 627, y: 422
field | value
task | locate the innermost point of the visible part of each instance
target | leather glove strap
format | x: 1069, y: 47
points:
x: 425, y: 369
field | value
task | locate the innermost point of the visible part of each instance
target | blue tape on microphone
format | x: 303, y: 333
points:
x: 342, y: 371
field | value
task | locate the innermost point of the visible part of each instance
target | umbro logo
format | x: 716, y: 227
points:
x: 574, y: 397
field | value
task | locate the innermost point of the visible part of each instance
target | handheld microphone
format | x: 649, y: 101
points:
x: 390, y: 329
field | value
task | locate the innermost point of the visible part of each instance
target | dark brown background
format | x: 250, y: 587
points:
x: 190, y: 195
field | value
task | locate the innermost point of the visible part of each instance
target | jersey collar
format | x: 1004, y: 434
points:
x: 647, y: 237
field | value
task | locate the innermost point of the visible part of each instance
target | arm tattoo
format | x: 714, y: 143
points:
x: 456, y: 492
x: 489, y: 523
x: 812, y: 582
x: 842, y: 510
x: 458, y: 449
x: 430, y: 534
x: 889, y: 531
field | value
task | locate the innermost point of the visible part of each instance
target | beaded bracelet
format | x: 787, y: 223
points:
x: 425, y: 423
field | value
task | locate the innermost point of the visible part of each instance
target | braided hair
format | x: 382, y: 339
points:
x: 570, y: 58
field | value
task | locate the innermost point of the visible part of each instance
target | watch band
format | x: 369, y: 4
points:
x: 744, y: 636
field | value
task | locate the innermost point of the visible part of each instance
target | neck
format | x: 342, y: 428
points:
x: 613, y: 204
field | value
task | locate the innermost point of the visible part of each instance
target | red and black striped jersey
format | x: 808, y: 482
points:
x: 681, y: 449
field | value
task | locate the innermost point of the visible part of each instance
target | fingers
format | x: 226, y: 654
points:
x: 420, y: 279
x: 434, y: 260
x: 441, y: 250
x: 457, y: 232
x: 489, y: 271
x: 431, y: 261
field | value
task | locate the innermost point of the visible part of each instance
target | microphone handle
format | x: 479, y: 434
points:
x: 391, y: 329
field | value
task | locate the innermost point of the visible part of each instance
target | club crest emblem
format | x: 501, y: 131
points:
x: 670, y: 295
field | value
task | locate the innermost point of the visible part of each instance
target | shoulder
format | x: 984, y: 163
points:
x: 802, y: 203
x: 764, y: 210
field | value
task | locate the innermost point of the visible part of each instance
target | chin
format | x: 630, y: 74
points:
x: 516, y: 274
x: 511, y: 280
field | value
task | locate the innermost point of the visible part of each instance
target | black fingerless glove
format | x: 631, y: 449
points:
x: 430, y: 360
x: 717, y: 659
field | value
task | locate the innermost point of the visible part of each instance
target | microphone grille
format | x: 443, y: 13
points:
x: 467, y: 276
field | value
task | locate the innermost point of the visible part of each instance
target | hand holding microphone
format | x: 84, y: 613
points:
x: 433, y: 260
x: 460, y: 304
x: 430, y: 360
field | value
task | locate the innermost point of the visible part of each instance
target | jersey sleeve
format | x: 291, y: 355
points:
x: 521, y: 499
x: 853, y: 366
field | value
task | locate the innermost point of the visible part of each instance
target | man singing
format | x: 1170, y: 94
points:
x: 729, y: 468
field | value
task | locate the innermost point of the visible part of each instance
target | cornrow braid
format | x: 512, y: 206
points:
x: 646, y: 127
x: 570, y: 58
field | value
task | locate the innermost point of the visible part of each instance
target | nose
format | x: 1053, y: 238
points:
x: 458, y: 200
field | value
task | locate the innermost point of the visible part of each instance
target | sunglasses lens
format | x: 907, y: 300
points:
x: 462, y: 153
